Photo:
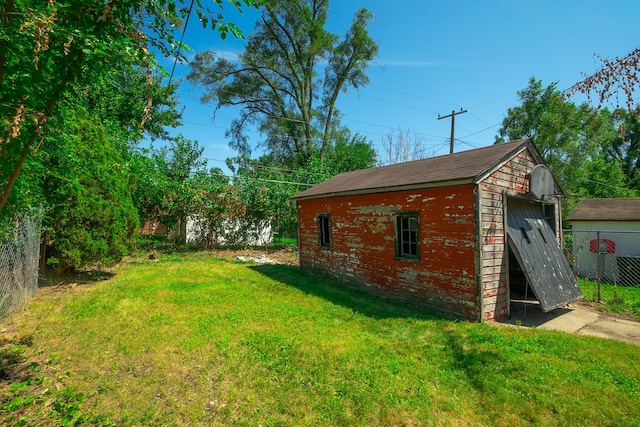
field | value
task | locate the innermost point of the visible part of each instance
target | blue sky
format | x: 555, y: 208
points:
x: 436, y: 57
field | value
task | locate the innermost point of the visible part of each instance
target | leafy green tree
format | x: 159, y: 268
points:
x: 603, y: 178
x: 48, y: 49
x: 90, y: 218
x: 625, y: 148
x: 572, y: 139
x: 348, y: 152
x: 265, y: 194
x: 288, y: 78
x: 122, y: 96
x: 167, y: 183
x: 218, y: 209
x: 149, y: 184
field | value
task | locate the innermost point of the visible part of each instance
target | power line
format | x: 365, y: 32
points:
x: 267, y: 167
x: 370, y: 124
x: 392, y: 128
x: 413, y: 94
x: 184, y: 30
x: 236, y: 177
x: 273, y: 181
x: 468, y: 143
x: 204, y: 124
x: 479, y: 119
x: 482, y: 130
x: 353, y: 120
x: 429, y: 136
x: 399, y: 105
x: 283, y: 169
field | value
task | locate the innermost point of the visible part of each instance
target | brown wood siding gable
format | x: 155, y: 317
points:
x: 511, y: 177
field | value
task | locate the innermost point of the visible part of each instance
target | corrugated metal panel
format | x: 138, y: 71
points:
x: 539, y: 255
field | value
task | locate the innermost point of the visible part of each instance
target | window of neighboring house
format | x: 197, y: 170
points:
x: 407, y: 236
x: 324, y: 228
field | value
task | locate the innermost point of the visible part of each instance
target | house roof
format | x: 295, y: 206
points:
x: 606, y: 210
x: 465, y: 166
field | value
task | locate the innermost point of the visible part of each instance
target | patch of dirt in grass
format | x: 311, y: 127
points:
x: 51, y: 286
x: 285, y: 256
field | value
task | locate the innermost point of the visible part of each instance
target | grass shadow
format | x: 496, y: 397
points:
x: 476, y: 363
x: 49, y: 278
x: 338, y: 293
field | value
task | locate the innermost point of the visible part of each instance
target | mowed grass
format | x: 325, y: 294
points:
x: 194, y: 340
x: 614, y: 298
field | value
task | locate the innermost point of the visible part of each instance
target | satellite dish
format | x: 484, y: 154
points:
x: 541, y: 183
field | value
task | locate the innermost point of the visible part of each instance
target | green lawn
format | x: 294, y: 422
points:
x: 614, y: 298
x: 194, y: 340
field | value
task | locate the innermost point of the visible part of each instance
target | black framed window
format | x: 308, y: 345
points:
x: 407, y: 236
x: 324, y: 229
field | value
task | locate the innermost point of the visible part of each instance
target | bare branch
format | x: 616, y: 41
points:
x: 620, y: 75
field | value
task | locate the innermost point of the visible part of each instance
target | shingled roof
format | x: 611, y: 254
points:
x: 464, y: 166
x: 606, y: 210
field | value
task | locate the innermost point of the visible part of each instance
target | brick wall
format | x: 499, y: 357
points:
x: 363, y: 249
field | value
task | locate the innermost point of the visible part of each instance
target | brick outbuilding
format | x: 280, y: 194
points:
x: 439, y: 232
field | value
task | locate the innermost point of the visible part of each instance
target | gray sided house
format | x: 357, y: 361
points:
x: 606, y: 240
x: 455, y: 233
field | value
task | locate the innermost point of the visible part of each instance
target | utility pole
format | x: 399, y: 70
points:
x: 453, y: 124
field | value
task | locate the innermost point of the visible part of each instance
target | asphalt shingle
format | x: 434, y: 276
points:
x: 451, y: 167
x: 606, y: 210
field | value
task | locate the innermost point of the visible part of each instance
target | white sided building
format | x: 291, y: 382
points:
x: 606, y: 240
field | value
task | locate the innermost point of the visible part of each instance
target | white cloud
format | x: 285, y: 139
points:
x: 220, y: 146
x: 229, y: 55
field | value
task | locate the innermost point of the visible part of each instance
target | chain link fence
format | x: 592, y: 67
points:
x: 19, y: 256
x: 605, y: 257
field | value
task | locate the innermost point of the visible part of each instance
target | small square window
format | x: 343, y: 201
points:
x: 324, y: 229
x: 407, y: 236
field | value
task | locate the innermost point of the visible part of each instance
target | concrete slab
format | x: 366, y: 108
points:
x: 619, y: 329
x: 571, y: 321
x: 574, y: 319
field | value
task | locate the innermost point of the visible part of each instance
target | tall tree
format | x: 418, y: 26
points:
x: 618, y: 76
x: 288, y: 78
x: 90, y: 217
x: 573, y: 140
x: 625, y: 148
x: 122, y: 96
x: 117, y: 101
x: 47, y: 48
x: 349, y: 152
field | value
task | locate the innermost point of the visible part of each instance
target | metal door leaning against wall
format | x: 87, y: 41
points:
x: 536, y: 248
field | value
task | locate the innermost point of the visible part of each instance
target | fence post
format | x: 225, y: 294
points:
x: 599, y: 266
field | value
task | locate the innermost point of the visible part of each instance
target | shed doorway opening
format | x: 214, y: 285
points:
x: 534, y: 247
x: 519, y: 288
